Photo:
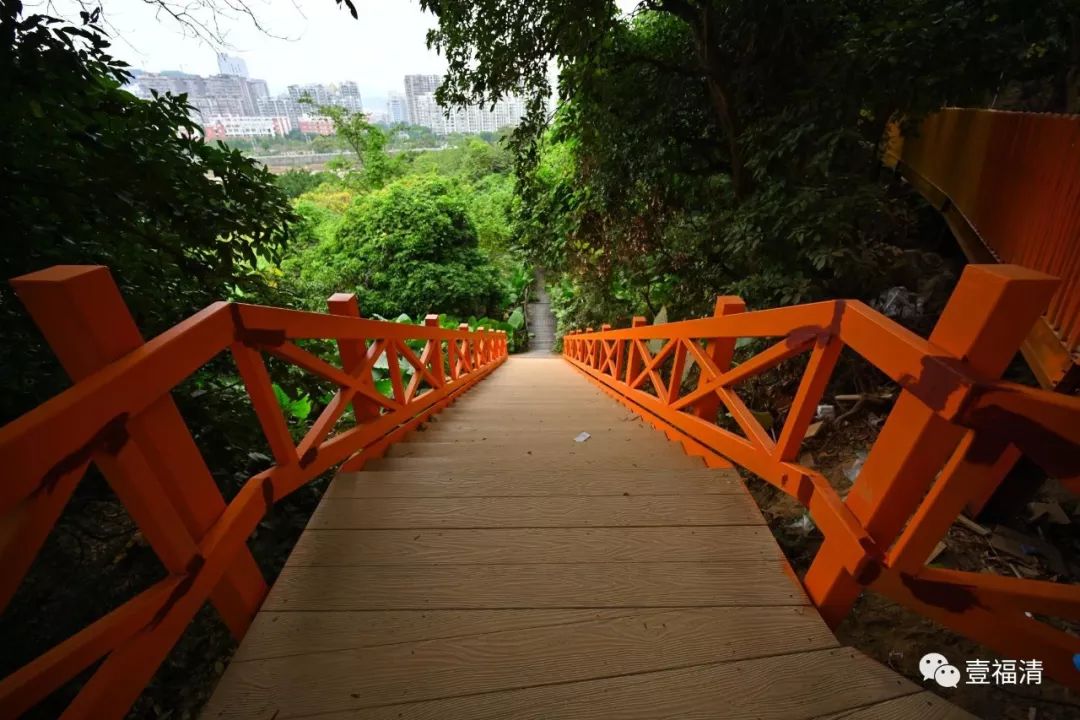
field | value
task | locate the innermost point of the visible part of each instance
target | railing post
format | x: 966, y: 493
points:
x: 601, y: 361
x: 159, y: 473
x: 354, y: 355
x: 620, y: 359
x: 633, y: 362
x: 451, y: 357
x: 435, y: 355
x: 720, y: 350
x: 464, y: 352
x: 990, y: 312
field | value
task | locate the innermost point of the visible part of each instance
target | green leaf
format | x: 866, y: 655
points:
x: 516, y: 319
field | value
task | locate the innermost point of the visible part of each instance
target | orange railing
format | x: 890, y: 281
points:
x: 952, y: 433
x: 120, y: 415
x: 1008, y: 183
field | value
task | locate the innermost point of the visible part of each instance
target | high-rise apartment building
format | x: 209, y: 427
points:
x: 316, y: 93
x: 218, y: 95
x: 346, y: 95
x: 474, y: 119
x: 396, y: 109
x: 283, y: 106
x: 231, y: 65
x: 415, y: 86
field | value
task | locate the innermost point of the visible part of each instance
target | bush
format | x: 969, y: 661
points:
x: 407, y: 248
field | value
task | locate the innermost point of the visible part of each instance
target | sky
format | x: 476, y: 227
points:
x: 307, y: 41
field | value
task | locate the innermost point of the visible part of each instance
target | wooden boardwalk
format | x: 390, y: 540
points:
x: 491, y: 567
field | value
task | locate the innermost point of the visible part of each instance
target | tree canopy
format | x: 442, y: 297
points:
x: 95, y: 175
x: 410, y: 247
x: 733, y: 146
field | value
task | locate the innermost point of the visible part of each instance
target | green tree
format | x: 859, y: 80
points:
x: 295, y: 183
x: 368, y: 143
x: 747, y: 53
x: 407, y: 248
x: 732, y: 145
x: 95, y: 175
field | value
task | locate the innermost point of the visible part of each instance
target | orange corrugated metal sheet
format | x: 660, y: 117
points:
x: 1015, y: 179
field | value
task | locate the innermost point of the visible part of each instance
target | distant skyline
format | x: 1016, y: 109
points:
x: 317, y: 41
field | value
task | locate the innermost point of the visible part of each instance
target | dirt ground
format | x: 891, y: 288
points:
x: 899, y: 638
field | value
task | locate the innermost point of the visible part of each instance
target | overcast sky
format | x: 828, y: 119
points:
x: 316, y: 41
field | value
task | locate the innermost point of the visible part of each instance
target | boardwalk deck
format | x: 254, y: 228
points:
x: 491, y: 567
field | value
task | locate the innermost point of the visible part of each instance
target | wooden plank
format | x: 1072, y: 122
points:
x: 280, y: 634
x: 741, y: 543
x: 564, y: 452
x: 798, y: 686
x: 558, y: 417
x: 589, y: 399
x: 472, y: 579
x: 470, y: 432
x: 553, y: 511
x: 491, y: 661
x: 534, y: 586
x: 557, y: 464
x: 607, y: 445
x: 493, y: 430
x: 923, y: 705
x: 493, y: 482
x: 491, y: 426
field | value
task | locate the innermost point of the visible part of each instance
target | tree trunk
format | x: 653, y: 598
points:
x: 715, y: 73
x: 712, y: 66
x: 731, y: 129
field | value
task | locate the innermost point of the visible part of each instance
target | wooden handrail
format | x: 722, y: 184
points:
x: 949, y: 439
x: 119, y: 415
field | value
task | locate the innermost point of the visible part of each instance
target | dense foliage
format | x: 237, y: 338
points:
x: 409, y: 247
x: 732, y: 146
x: 94, y: 175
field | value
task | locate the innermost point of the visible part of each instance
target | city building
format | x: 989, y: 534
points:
x: 285, y: 106
x: 396, y: 109
x: 415, y: 86
x: 259, y: 89
x: 230, y: 126
x: 231, y: 65
x: 346, y: 95
x: 316, y: 125
x: 474, y: 119
x: 215, y: 96
x: 314, y: 93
